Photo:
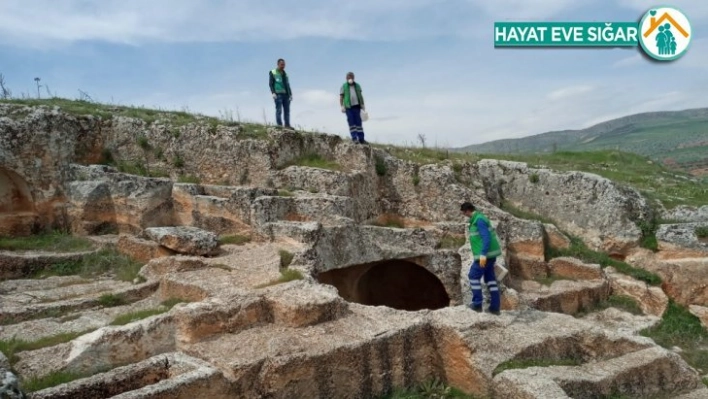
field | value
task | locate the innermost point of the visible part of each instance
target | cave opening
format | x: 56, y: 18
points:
x: 396, y: 283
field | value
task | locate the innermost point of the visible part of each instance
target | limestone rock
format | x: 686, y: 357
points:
x: 184, y: 239
x: 652, y: 300
x: 592, y: 207
x: 574, y: 269
x: 683, y: 280
x: 687, y: 214
x: 104, y: 199
x: 701, y: 312
x: 680, y: 241
x: 10, y: 385
x: 140, y: 249
x: 556, y: 238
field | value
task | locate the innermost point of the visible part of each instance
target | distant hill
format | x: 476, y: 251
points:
x: 671, y: 137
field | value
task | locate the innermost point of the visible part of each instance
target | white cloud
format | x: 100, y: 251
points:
x: 695, y: 10
x: 44, y: 23
x: 570, y: 91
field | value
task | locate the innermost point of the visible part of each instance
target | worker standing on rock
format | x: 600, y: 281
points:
x: 352, y: 103
x: 282, y: 95
x: 485, y: 248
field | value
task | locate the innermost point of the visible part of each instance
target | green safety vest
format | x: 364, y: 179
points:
x: 476, y: 238
x: 347, y: 94
x: 279, y: 83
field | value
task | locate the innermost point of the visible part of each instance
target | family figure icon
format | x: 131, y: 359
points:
x: 665, y: 40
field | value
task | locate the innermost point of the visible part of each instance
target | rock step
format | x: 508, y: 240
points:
x: 320, y: 208
x: 640, y: 374
x: 73, y: 322
x: 565, y: 296
x: 104, y: 349
x: 295, y: 304
x: 172, y: 375
x: 366, y: 357
x: 18, y: 265
x: 18, y: 313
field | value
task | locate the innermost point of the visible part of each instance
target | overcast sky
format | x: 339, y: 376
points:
x: 426, y: 66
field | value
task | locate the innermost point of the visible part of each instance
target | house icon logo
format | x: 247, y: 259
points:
x: 664, y: 33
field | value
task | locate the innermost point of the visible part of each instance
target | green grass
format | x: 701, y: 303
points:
x: 286, y: 258
x: 580, y: 251
x: 702, y: 232
x: 11, y: 347
x: 380, y: 165
x: 286, y: 275
x: 53, y: 242
x: 188, y: 179
x: 234, y: 239
x: 432, y: 389
x: 104, y: 261
x: 450, y: 241
x: 671, y: 187
x: 51, y: 380
x: 285, y: 193
x: 522, y: 214
x: 140, y: 169
x: 137, y: 315
x: 620, y: 302
x: 106, y: 111
x: 678, y: 327
x: 314, y: 160
x: 540, y: 362
x: 111, y: 300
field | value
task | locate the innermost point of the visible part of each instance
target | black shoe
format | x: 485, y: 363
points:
x: 495, y: 312
x: 362, y: 141
x: 477, y: 309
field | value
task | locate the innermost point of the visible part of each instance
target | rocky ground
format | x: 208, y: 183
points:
x: 300, y: 265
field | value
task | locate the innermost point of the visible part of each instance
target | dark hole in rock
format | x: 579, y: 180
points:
x: 398, y: 284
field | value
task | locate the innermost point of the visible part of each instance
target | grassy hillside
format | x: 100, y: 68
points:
x: 654, y: 180
x: 678, y: 136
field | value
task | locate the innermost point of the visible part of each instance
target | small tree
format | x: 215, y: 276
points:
x: 38, y: 86
x: 422, y: 139
x: 5, y: 93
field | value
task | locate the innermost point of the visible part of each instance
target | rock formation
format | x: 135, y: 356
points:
x: 265, y: 277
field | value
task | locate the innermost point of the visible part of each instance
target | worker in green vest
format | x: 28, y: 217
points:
x: 485, y: 248
x: 352, y: 102
x: 282, y: 95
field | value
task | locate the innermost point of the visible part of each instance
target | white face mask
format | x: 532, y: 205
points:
x: 350, y: 81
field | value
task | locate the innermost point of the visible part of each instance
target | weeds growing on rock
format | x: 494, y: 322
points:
x: 678, y: 327
x: 234, y: 239
x: 579, y: 250
x: 191, y: 179
x: 131, y: 317
x: 55, y: 241
x: 314, y: 160
x: 11, y: 347
x: 111, y: 300
x: 431, y: 389
x: 107, y: 260
x: 380, y: 165
x: 702, y: 232
x: 286, y: 258
x: 620, y: 302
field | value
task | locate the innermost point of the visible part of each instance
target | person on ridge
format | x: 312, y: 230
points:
x: 485, y: 248
x: 282, y: 95
x: 352, y: 103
